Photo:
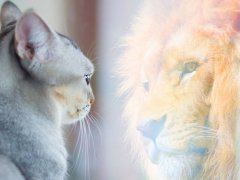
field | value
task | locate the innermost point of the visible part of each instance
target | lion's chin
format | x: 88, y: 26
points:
x: 154, y: 151
x: 176, y: 162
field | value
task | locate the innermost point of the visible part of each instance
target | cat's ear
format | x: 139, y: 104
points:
x: 33, y: 37
x: 9, y: 13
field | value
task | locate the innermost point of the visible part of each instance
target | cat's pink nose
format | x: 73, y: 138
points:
x: 92, y: 100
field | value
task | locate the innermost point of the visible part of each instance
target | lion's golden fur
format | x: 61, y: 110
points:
x: 164, y: 35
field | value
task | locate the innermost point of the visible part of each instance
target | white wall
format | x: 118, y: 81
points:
x: 114, y: 20
x: 52, y: 11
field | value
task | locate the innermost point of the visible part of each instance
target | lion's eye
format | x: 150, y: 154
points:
x: 87, y: 78
x: 189, y: 68
x: 146, y: 85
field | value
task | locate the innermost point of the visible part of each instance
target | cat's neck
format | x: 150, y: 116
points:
x: 38, y: 98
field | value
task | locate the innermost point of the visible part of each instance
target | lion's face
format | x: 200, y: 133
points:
x: 180, y: 74
x: 177, y: 98
x: 172, y: 102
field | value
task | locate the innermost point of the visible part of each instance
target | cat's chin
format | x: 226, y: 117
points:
x: 70, y: 119
x: 70, y: 116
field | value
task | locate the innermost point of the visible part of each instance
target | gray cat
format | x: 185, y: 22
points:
x: 44, y: 83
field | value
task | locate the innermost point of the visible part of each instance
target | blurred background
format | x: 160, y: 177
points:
x: 96, y: 148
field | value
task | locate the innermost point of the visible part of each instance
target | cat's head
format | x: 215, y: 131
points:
x: 51, y: 59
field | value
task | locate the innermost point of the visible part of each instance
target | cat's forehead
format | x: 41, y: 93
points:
x: 68, y: 40
x: 74, y: 52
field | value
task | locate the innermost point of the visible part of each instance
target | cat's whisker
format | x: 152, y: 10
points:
x: 90, y: 142
x: 85, y: 150
x: 95, y: 123
x: 73, y: 127
x: 99, y: 116
x: 92, y: 139
x: 81, y: 146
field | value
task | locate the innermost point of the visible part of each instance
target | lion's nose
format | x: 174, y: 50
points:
x: 152, y: 128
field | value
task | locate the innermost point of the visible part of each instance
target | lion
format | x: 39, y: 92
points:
x: 179, y: 77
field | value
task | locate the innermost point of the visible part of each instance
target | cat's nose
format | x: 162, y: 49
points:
x: 92, y: 100
x: 152, y: 128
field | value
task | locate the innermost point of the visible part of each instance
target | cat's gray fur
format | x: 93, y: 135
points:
x: 31, y: 141
x: 8, y: 170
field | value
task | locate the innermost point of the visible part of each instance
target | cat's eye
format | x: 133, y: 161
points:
x: 87, y: 78
x: 189, y: 67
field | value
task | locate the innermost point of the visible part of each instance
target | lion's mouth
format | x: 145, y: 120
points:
x: 151, y: 130
x: 155, y: 151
